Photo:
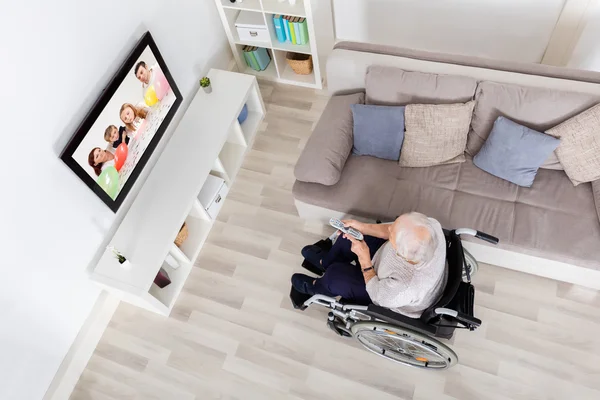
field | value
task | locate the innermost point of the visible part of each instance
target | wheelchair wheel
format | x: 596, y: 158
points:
x: 404, y: 345
x: 470, y: 264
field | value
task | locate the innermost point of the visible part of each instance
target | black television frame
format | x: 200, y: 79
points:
x: 67, y: 154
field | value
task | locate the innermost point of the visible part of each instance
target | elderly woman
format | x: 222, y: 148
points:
x: 406, y: 274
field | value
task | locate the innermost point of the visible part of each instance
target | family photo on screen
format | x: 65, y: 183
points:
x: 120, y: 135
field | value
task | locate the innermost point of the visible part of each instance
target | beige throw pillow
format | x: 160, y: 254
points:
x: 579, y: 148
x: 435, y: 134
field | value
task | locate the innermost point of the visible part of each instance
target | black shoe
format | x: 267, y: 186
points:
x: 298, y: 299
x: 303, y: 283
x: 314, y: 256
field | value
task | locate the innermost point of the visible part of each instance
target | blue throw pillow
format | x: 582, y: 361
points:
x: 514, y: 152
x: 378, y: 131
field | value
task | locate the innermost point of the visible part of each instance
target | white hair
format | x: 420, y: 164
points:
x: 412, y: 243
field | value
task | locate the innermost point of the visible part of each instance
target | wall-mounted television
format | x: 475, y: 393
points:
x: 115, y: 140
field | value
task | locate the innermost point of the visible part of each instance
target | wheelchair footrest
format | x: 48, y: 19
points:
x: 298, y: 299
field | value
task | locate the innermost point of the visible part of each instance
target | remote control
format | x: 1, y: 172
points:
x: 339, y: 225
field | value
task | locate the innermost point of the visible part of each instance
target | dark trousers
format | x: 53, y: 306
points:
x: 341, y: 278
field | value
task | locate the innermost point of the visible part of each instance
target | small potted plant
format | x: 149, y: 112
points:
x: 205, y: 83
x: 120, y: 257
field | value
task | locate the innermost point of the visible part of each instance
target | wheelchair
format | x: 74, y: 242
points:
x: 405, y: 340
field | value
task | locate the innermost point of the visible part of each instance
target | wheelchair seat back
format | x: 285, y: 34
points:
x: 452, y: 296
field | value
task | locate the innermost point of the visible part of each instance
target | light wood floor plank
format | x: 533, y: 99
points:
x: 234, y: 335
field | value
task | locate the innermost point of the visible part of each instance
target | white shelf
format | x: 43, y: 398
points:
x: 285, y: 8
x: 198, y: 229
x: 219, y: 170
x: 236, y: 135
x: 279, y: 72
x: 250, y: 125
x: 232, y: 157
x: 168, y: 295
x: 287, y: 46
x: 287, y: 74
x: 250, y: 5
x: 169, y: 195
x: 270, y: 73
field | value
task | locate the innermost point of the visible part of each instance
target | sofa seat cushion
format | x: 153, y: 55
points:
x: 475, y: 181
x: 552, y: 190
x: 394, y: 86
x: 574, y: 239
x: 365, y: 188
x: 493, y: 216
x: 433, y: 201
x: 444, y: 176
x: 536, y: 108
x: 552, y: 219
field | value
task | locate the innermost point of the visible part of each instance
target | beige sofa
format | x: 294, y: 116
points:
x: 551, y: 229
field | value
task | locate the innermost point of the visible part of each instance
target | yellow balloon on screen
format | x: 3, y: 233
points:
x: 150, y: 97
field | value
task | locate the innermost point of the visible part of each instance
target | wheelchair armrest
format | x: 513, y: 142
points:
x: 467, y: 320
x: 478, y: 234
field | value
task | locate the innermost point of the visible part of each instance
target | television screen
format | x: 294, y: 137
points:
x: 115, y: 140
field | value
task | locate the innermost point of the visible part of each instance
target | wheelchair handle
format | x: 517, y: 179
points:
x: 467, y: 321
x: 479, y: 235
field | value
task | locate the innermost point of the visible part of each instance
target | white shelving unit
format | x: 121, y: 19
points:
x: 278, y: 70
x: 208, y: 140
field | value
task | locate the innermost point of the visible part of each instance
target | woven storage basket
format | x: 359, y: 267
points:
x: 182, y: 235
x: 300, y: 63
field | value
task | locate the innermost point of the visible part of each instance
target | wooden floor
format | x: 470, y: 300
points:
x: 233, y: 334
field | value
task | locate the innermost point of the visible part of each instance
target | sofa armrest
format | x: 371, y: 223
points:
x: 330, y: 143
x: 596, y: 190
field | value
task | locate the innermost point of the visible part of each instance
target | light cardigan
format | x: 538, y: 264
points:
x: 406, y: 288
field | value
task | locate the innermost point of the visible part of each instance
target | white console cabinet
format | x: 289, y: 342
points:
x: 208, y: 140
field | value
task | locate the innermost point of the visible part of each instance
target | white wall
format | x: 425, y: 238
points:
x: 56, y: 58
x: 512, y: 30
x: 586, y: 54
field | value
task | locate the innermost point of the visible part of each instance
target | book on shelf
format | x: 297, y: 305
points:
x: 303, y: 30
x: 286, y: 28
x: 292, y: 31
x: 256, y: 58
x: 250, y: 58
x: 247, y: 58
x: 262, y: 57
x: 278, y: 24
x: 297, y: 30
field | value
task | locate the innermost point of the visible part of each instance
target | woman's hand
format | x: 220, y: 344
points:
x: 360, y: 248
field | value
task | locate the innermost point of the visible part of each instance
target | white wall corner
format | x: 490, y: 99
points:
x: 83, y: 347
x: 567, y: 31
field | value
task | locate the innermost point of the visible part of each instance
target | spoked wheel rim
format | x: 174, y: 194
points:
x: 404, y: 346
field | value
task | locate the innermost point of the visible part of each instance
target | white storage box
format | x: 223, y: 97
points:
x: 251, y: 27
x: 212, y: 195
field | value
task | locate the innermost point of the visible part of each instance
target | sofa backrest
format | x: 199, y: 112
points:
x: 394, y: 76
x: 394, y: 86
x: 348, y: 62
x: 537, y: 108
